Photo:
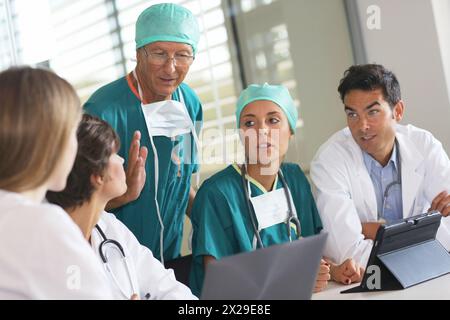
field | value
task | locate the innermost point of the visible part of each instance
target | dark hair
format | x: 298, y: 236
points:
x: 370, y: 77
x: 97, y: 141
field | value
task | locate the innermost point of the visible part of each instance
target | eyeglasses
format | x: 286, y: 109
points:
x: 160, y: 58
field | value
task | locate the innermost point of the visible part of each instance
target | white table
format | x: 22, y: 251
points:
x: 436, y: 289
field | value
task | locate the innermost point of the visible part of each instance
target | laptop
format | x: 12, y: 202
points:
x: 280, y: 272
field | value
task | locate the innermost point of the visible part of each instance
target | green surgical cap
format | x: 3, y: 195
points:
x: 167, y: 22
x: 277, y: 94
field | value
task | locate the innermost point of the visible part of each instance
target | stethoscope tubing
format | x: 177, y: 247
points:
x: 252, y: 213
x: 393, y: 183
x: 103, y: 256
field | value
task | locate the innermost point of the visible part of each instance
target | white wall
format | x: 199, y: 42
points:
x: 408, y: 44
x: 321, y: 50
x: 441, y: 10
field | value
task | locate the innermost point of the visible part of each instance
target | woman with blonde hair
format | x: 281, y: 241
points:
x: 43, y: 254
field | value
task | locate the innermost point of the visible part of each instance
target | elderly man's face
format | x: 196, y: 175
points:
x: 159, y: 79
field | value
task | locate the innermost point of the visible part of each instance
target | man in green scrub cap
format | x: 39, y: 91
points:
x: 152, y: 107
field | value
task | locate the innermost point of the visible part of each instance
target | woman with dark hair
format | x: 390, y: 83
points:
x: 96, y: 178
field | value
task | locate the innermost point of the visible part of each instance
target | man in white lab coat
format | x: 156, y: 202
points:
x: 376, y: 170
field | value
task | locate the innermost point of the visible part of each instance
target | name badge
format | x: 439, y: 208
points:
x: 270, y: 208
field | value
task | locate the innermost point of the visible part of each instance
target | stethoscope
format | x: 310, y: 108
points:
x: 251, y: 211
x: 393, y: 183
x: 104, y: 256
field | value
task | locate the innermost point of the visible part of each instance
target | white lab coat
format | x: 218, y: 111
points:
x: 345, y: 196
x: 148, y: 274
x: 43, y: 254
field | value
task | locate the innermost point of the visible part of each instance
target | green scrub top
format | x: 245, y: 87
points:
x: 222, y: 225
x: 118, y: 104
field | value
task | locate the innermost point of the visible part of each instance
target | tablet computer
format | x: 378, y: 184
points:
x: 405, y: 253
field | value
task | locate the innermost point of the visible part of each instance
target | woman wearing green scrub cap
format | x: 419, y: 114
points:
x: 159, y: 189
x: 228, y: 216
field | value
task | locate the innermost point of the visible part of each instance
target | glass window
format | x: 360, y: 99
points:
x: 91, y: 43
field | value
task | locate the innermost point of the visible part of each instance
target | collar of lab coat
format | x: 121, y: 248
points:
x: 410, y: 158
x: 102, y: 223
x: 96, y: 238
x: 363, y: 175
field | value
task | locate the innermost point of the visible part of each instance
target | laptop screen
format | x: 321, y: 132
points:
x: 286, y: 271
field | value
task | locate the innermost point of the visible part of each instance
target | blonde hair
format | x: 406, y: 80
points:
x: 38, y: 111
